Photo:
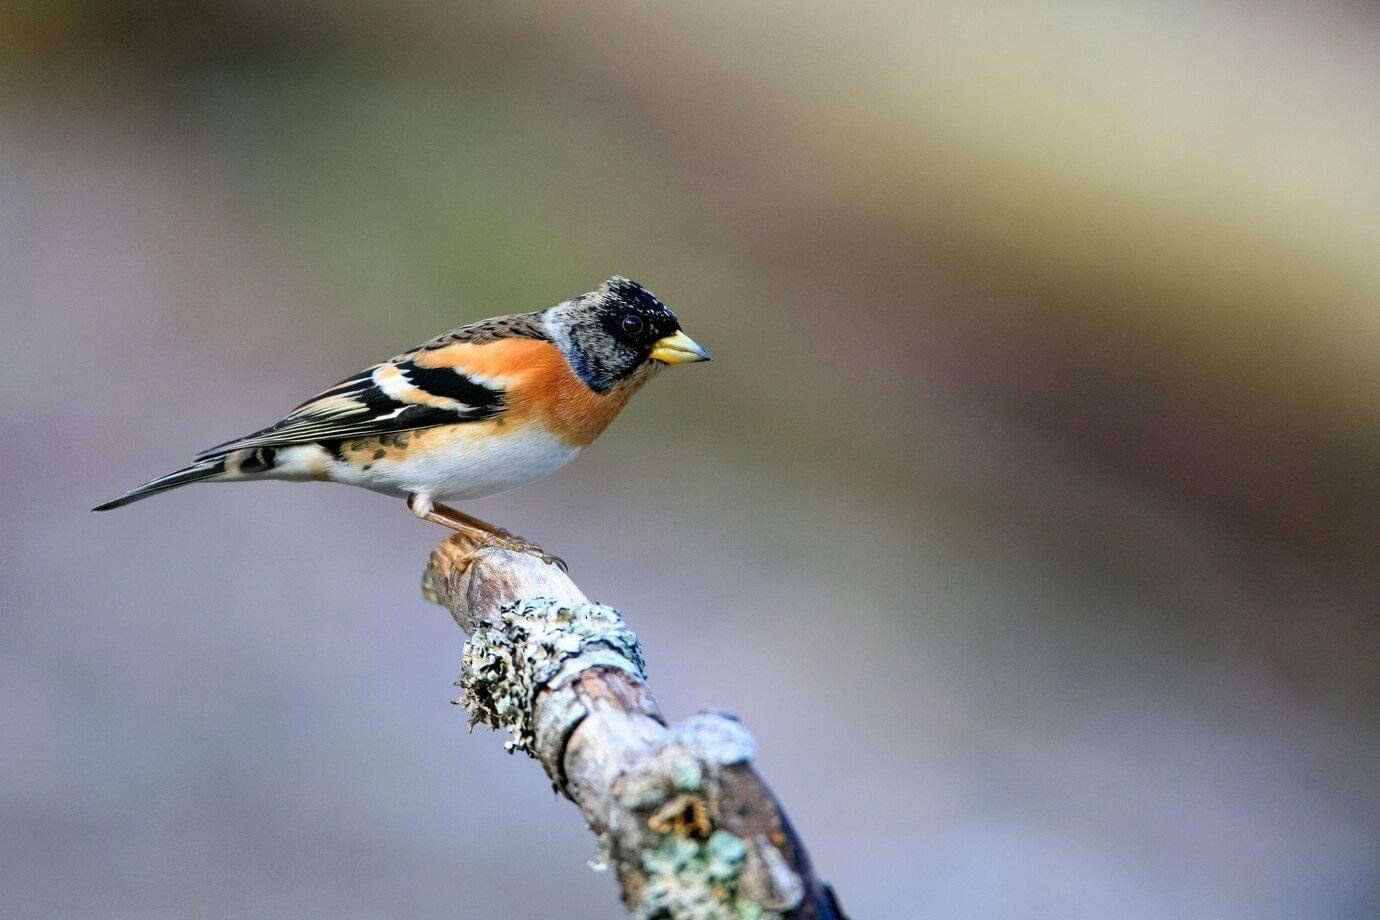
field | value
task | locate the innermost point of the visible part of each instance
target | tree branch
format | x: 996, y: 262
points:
x: 689, y: 826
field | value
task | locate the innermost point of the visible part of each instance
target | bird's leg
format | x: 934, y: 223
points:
x: 482, y: 532
x: 455, y: 519
x: 473, y: 528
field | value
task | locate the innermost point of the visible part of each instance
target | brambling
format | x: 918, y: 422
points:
x: 474, y: 412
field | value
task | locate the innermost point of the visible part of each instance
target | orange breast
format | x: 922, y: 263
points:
x: 537, y: 381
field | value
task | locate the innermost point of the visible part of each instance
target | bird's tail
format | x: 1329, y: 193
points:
x: 197, y: 472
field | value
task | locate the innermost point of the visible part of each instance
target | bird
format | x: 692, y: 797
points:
x: 477, y: 411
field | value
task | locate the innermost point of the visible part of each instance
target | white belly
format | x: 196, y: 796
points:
x: 451, y: 467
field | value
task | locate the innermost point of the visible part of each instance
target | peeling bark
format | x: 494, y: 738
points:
x: 688, y: 825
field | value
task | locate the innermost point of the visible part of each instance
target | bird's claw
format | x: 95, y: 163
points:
x: 502, y: 539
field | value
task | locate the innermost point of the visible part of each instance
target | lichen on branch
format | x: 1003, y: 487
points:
x: 539, y: 643
x: 691, y: 829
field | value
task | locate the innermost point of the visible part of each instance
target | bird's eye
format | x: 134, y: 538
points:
x: 632, y: 324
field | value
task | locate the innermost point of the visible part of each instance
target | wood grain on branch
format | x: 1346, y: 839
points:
x: 682, y: 816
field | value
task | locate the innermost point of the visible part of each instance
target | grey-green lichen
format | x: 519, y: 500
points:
x: 539, y: 643
x: 692, y: 750
x: 697, y: 880
x: 693, y: 870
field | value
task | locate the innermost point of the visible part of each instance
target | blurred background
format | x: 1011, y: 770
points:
x: 1029, y: 513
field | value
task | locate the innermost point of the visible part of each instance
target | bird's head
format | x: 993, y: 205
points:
x: 609, y: 334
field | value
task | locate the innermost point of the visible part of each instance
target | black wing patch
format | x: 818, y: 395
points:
x: 358, y: 407
x: 451, y: 384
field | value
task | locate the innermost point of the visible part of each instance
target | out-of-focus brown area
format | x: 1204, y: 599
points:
x: 1034, y: 482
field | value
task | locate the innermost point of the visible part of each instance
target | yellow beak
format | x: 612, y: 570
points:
x: 678, y: 349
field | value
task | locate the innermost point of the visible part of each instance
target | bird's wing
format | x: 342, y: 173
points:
x: 422, y: 388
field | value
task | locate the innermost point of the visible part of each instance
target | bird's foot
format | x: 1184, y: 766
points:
x: 502, y: 539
